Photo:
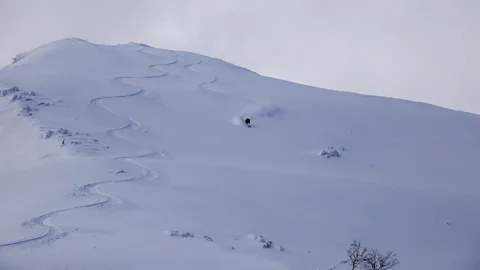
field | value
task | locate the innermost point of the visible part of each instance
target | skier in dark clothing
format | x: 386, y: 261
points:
x: 247, y: 121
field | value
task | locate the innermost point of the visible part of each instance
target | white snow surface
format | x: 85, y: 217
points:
x: 155, y: 142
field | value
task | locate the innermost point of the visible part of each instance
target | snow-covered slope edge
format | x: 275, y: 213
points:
x: 162, y: 172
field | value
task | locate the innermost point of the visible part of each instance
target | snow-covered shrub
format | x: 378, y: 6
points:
x: 331, y: 152
x: 257, y: 238
x: 18, y: 58
x: 208, y: 238
x: 24, y: 96
x: 13, y: 98
x: 26, y: 111
x: 176, y: 233
x: 62, y: 131
x: 266, y: 244
x: 47, y: 134
x: 9, y: 91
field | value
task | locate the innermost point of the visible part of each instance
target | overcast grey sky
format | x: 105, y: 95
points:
x: 424, y: 50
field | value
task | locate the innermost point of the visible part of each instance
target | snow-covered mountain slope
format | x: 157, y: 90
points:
x: 159, y: 170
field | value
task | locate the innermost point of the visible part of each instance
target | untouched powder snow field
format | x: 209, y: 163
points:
x: 158, y: 170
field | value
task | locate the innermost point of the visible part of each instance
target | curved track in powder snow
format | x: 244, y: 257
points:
x: 203, y: 85
x: 54, y: 232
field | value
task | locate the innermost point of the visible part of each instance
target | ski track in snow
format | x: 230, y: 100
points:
x: 98, y: 102
x: 203, y: 85
x: 212, y: 81
x: 129, y: 147
x: 189, y: 66
x: 53, y: 232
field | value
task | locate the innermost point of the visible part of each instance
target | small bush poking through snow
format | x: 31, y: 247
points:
x: 331, y: 152
x: 62, y: 131
x: 7, y: 92
x: 175, y: 233
x: 18, y: 58
x: 42, y: 103
x: 208, y: 238
x: 47, y: 134
x: 26, y: 111
x: 24, y: 96
x: 13, y: 98
x: 266, y: 244
x: 258, y: 238
x: 20, y: 97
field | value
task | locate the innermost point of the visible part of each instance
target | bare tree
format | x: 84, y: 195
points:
x: 374, y: 260
x: 356, y: 255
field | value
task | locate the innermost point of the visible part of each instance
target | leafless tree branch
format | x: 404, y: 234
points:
x: 356, y: 254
